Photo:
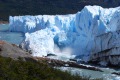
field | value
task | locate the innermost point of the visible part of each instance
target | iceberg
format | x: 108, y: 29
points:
x: 72, y: 34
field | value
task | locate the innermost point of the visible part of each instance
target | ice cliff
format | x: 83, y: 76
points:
x: 73, y: 34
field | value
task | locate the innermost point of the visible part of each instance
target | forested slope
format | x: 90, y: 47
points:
x: 51, y: 7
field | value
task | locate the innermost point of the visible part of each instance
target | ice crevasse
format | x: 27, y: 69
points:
x: 72, y: 34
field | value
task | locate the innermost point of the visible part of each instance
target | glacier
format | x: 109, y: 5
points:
x: 72, y: 34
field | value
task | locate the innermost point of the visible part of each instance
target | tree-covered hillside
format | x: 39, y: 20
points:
x: 37, y: 7
x: 28, y: 70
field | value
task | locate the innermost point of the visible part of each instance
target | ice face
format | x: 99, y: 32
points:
x: 40, y: 42
x: 74, y: 32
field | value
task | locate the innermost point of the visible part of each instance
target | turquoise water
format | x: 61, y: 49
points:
x: 12, y: 37
x: 106, y: 75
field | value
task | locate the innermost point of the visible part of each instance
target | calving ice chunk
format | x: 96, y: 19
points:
x: 40, y: 42
x: 74, y: 31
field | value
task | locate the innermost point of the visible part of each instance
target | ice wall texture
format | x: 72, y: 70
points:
x: 75, y: 32
x: 107, y: 49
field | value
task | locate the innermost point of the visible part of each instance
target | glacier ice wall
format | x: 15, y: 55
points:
x: 76, y: 32
x: 107, y: 49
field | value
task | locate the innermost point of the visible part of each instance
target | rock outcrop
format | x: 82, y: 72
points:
x: 12, y: 51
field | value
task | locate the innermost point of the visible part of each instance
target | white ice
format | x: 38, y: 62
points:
x: 75, y: 32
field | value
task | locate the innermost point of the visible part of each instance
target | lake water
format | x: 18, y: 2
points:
x: 106, y: 75
x: 12, y: 37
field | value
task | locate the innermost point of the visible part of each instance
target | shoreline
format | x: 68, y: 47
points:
x: 4, y: 22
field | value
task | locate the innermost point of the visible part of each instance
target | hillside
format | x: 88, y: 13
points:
x: 12, y: 51
x: 37, y: 7
x: 20, y: 70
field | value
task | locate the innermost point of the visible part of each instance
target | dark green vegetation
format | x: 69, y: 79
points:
x: 29, y: 70
x: 37, y: 7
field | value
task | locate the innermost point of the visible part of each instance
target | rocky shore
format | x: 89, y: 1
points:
x: 60, y: 63
x: 12, y: 51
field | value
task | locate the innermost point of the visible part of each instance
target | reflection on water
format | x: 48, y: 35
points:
x: 12, y: 37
